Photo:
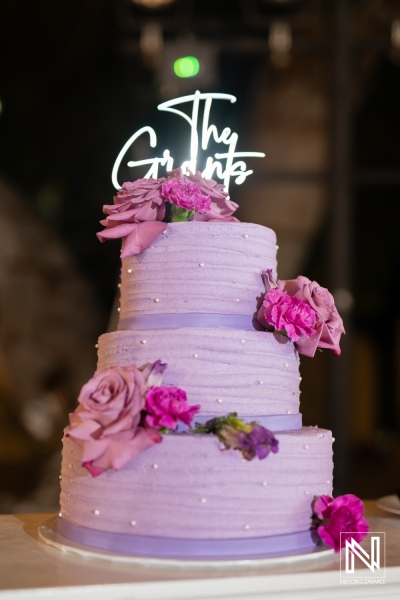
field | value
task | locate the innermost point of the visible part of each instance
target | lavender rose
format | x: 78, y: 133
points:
x: 332, y: 517
x: 166, y: 406
x: 329, y: 325
x: 107, y: 422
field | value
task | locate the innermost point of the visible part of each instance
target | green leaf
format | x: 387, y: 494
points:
x: 180, y: 214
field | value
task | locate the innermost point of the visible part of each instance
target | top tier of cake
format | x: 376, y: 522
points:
x: 197, y: 268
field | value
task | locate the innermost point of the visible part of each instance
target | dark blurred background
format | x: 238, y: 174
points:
x: 318, y: 90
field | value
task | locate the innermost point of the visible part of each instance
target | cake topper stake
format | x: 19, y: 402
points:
x: 237, y: 169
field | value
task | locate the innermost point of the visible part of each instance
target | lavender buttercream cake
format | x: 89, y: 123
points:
x: 190, y: 300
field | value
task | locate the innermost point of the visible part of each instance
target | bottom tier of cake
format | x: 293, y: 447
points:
x: 189, y: 497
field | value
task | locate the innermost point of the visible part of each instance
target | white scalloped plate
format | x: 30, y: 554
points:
x: 390, y: 504
x: 48, y: 534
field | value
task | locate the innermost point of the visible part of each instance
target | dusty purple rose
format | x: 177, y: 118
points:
x: 329, y: 324
x: 258, y: 442
x: 107, y: 422
x: 221, y: 207
x: 289, y: 314
x: 166, y: 406
x: 186, y: 195
x: 332, y: 517
x: 136, y: 215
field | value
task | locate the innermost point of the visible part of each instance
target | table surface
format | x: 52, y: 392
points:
x: 31, y: 569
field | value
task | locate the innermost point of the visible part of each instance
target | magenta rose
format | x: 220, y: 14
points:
x: 107, y: 422
x: 136, y: 215
x: 288, y: 314
x: 343, y: 514
x: 329, y: 324
x: 186, y: 195
x: 166, y: 406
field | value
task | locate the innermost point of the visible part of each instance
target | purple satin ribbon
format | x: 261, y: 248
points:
x: 271, y: 422
x: 179, y: 320
x: 160, y: 547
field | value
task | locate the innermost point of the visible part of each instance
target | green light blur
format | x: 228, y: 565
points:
x: 188, y: 66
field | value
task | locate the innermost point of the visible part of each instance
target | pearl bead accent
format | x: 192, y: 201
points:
x: 237, y: 299
x: 132, y: 523
x: 277, y: 247
x: 219, y: 400
x: 286, y: 365
x: 202, y: 500
x: 155, y: 466
x: 300, y: 378
x: 201, y: 264
x: 288, y: 412
x: 195, y: 356
x: 69, y: 466
x: 129, y: 270
x: 333, y: 439
x: 143, y: 342
x: 260, y: 381
x: 246, y: 236
x: 328, y: 481
x: 264, y: 484
x: 306, y: 492
x: 119, y: 309
x: 242, y: 341
x: 96, y: 512
x: 305, y: 446
x: 96, y: 345
x: 247, y: 527
x: 60, y: 477
x: 156, y: 300
x: 60, y: 514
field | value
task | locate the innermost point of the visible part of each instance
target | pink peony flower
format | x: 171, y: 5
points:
x: 335, y: 516
x: 107, y: 422
x: 289, y: 314
x: 221, y: 207
x: 136, y: 215
x: 329, y: 324
x: 166, y: 406
x: 186, y: 195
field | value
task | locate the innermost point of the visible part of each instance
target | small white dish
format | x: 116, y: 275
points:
x: 390, y: 504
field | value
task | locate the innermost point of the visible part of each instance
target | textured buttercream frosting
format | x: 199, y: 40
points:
x: 187, y: 487
x: 223, y: 370
x: 199, y: 267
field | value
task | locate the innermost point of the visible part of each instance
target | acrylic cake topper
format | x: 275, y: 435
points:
x: 213, y: 167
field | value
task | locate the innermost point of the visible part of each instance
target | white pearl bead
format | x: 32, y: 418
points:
x: 96, y: 512
x: 143, y: 342
x: 219, y: 400
x: 155, y: 466
x: 132, y: 523
x: 260, y: 381
x: 60, y: 514
x: 247, y: 527
x: 306, y: 492
x: 195, y: 356
x: 288, y: 412
x: 96, y: 345
x: 286, y: 365
x: 156, y: 299
x: 129, y: 270
x: 237, y: 299
x: 242, y: 341
x: 305, y: 446
x: 333, y: 439
x: 202, y: 500
x: 201, y: 264
x: 328, y: 481
x: 246, y: 236
x: 264, y: 483
x: 118, y: 309
x: 69, y: 466
x: 277, y: 247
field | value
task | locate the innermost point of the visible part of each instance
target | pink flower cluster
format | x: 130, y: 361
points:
x: 302, y: 310
x: 336, y: 520
x: 120, y: 413
x: 186, y: 195
x: 139, y: 208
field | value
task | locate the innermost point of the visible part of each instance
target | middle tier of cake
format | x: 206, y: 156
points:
x: 252, y: 373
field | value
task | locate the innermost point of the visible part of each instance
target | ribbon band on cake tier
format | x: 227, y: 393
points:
x: 161, y: 547
x: 181, y: 320
x: 271, y: 422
